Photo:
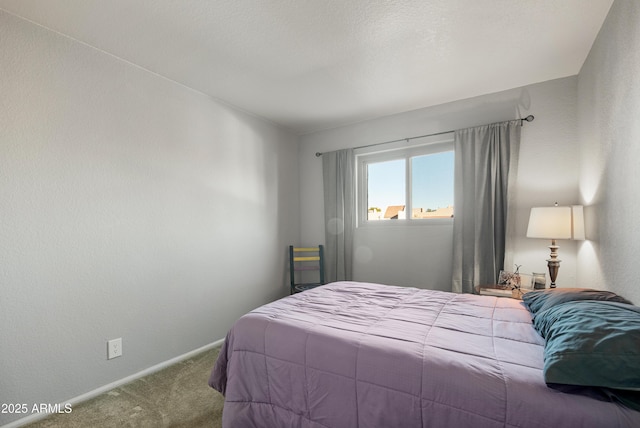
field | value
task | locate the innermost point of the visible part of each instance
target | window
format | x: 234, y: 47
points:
x: 413, y: 185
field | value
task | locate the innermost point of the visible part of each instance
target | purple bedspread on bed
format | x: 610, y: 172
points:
x: 367, y: 355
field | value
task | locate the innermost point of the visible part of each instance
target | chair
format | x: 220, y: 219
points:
x: 303, y: 259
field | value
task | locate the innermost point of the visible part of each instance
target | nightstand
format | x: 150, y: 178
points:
x: 499, y: 291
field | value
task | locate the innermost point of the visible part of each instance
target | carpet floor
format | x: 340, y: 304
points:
x: 175, y: 397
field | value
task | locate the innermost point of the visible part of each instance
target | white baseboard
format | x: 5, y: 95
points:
x: 91, y: 394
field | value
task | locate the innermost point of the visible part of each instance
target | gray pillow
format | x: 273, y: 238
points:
x: 537, y: 301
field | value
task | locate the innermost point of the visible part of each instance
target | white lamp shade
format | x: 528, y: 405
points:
x: 550, y: 223
x: 577, y: 227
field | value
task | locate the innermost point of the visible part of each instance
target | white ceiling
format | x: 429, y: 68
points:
x: 317, y: 64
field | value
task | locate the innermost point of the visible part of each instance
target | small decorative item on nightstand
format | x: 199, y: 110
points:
x: 515, y: 284
x: 509, y: 285
x: 538, y: 281
x: 508, y: 280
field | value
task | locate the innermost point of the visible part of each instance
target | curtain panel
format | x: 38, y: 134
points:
x: 338, y: 172
x: 485, y: 169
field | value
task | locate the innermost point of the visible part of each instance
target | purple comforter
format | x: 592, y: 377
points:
x: 367, y: 355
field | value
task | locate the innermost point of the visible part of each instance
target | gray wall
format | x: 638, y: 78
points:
x: 130, y: 206
x: 421, y: 256
x: 609, y: 130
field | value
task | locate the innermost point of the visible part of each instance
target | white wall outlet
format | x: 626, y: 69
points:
x: 114, y: 348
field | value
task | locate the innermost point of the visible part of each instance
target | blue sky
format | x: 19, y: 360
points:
x: 432, y: 182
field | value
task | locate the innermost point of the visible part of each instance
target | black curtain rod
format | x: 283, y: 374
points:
x: 528, y: 119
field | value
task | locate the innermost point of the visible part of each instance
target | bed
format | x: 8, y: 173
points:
x: 352, y: 354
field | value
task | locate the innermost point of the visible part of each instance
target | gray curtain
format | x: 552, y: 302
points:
x: 338, y: 171
x: 485, y: 169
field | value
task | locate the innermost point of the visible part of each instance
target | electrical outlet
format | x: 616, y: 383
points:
x: 114, y: 348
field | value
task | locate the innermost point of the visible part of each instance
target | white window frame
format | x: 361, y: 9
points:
x: 404, y: 149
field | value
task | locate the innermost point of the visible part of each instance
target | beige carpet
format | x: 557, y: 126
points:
x: 177, y: 396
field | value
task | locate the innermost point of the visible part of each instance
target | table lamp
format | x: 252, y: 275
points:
x: 556, y: 223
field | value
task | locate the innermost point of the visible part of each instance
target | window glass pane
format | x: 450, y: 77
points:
x: 386, y: 190
x: 432, y: 186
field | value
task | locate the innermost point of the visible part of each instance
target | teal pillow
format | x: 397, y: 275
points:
x: 591, y: 343
x: 537, y: 301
